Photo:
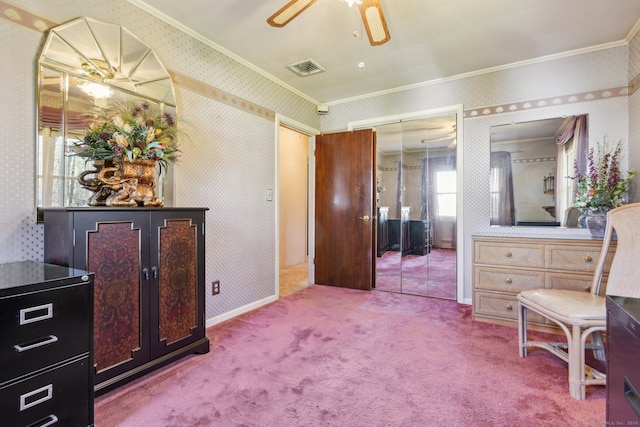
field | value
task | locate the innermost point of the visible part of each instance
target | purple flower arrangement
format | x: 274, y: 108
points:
x: 602, y: 186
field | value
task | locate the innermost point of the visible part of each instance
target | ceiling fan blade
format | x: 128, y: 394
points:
x: 374, y: 22
x: 288, y: 12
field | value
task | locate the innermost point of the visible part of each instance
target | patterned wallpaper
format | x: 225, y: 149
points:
x: 229, y: 159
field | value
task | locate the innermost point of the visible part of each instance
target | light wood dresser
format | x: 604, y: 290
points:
x: 504, y: 266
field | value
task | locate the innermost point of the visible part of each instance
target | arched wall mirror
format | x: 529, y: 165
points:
x: 416, y: 206
x: 531, y: 166
x: 85, y: 65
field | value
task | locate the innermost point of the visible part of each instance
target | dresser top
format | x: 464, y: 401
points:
x: 34, y: 275
x: 547, y: 237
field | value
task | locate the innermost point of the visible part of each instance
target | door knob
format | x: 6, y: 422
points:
x: 364, y: 218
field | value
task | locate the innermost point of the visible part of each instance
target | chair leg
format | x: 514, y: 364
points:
x: 577, y: 388
x: 522, y: 329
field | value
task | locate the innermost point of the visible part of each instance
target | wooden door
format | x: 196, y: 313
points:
x: 345, y: 216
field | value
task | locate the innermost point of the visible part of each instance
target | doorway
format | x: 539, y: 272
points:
x: 293, y: 211
x: 418, y: 202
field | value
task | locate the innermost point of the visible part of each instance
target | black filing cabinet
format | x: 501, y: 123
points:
x: 623, y: 361
x: 46, y: 362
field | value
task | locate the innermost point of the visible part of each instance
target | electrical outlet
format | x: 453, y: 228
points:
x: 215, y: 287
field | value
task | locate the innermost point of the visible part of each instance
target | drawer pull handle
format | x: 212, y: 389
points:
x: 35, y: 344
x: 588, y: 258
x: 32, y: 314
x: 509, y: 307
x: 508, y: 254
x: 42, y: 395
x: 587, y: 288
x: 509, y: 280
x: 47, y: 421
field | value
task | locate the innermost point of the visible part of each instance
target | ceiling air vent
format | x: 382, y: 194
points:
x: 306, y: 67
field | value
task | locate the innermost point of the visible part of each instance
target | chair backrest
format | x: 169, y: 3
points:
x: 623, y: 276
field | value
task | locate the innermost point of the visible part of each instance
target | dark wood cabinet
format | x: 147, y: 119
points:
x: 149, y: 283
x: 623, y: 359
x: 420, y: 237
x: 46, y: 318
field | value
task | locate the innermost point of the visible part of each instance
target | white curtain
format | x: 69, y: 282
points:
x: 572, y: 137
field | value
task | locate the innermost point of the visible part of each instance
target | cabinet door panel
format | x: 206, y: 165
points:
x: 178, y: 277
x: 117, y: 256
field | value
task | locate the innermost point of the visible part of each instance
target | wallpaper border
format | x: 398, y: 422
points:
x: 546, y: 102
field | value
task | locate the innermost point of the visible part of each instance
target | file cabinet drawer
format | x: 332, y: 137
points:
x: 42, y: 328
x: 57, y: 395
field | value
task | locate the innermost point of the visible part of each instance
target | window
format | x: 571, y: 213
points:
x: 446, y: 190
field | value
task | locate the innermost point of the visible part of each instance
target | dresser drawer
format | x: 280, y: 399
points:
x: 575, y: 258
x: 572, y: 281
x: 42, y: 328
x: 507, y: 280
x: 509, y: 254
x: 501, y: 307
x: 55, y: 394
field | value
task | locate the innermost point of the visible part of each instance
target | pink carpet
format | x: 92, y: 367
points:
x: 330, y: 356
x: 433, y: 274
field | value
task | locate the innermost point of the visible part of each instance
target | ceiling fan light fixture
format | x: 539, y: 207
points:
x: 352, y: 2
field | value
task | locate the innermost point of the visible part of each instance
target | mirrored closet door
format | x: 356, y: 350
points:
x: 416, y: 207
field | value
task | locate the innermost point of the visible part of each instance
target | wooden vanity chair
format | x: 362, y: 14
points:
x: 582, y: 315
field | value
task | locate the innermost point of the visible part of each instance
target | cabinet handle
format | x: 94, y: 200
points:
x: 45, y: 311
x: 508, y: 254
x: 587, y: 288
x: 154, y: 272
x: 47, y: 421
x: 509, y: 280
x: 588, y: 258
x: 509, y: 307
x: 145, y: 273
x: 42, y: 394
x: 35, y: 344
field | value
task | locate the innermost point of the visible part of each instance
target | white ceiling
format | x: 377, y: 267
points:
x: 430, y: 39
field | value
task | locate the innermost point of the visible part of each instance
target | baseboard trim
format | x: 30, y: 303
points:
x: 241, y: 310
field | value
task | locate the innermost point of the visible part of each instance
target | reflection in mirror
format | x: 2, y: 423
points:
x: 416, y: 177
x: 531, y: 166
x: 86, y: 65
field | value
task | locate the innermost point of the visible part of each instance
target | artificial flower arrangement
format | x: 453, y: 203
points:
x: 131, y: 131
x: 602, y: 186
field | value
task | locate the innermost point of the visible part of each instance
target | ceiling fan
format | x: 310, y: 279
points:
x: 370, y: 10
x: 448, y: 136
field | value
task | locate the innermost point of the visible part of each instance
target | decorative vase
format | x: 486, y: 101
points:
x: 133, y: 183
x: 597, y: 222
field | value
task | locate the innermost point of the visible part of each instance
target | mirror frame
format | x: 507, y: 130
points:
x: 77, y: 56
